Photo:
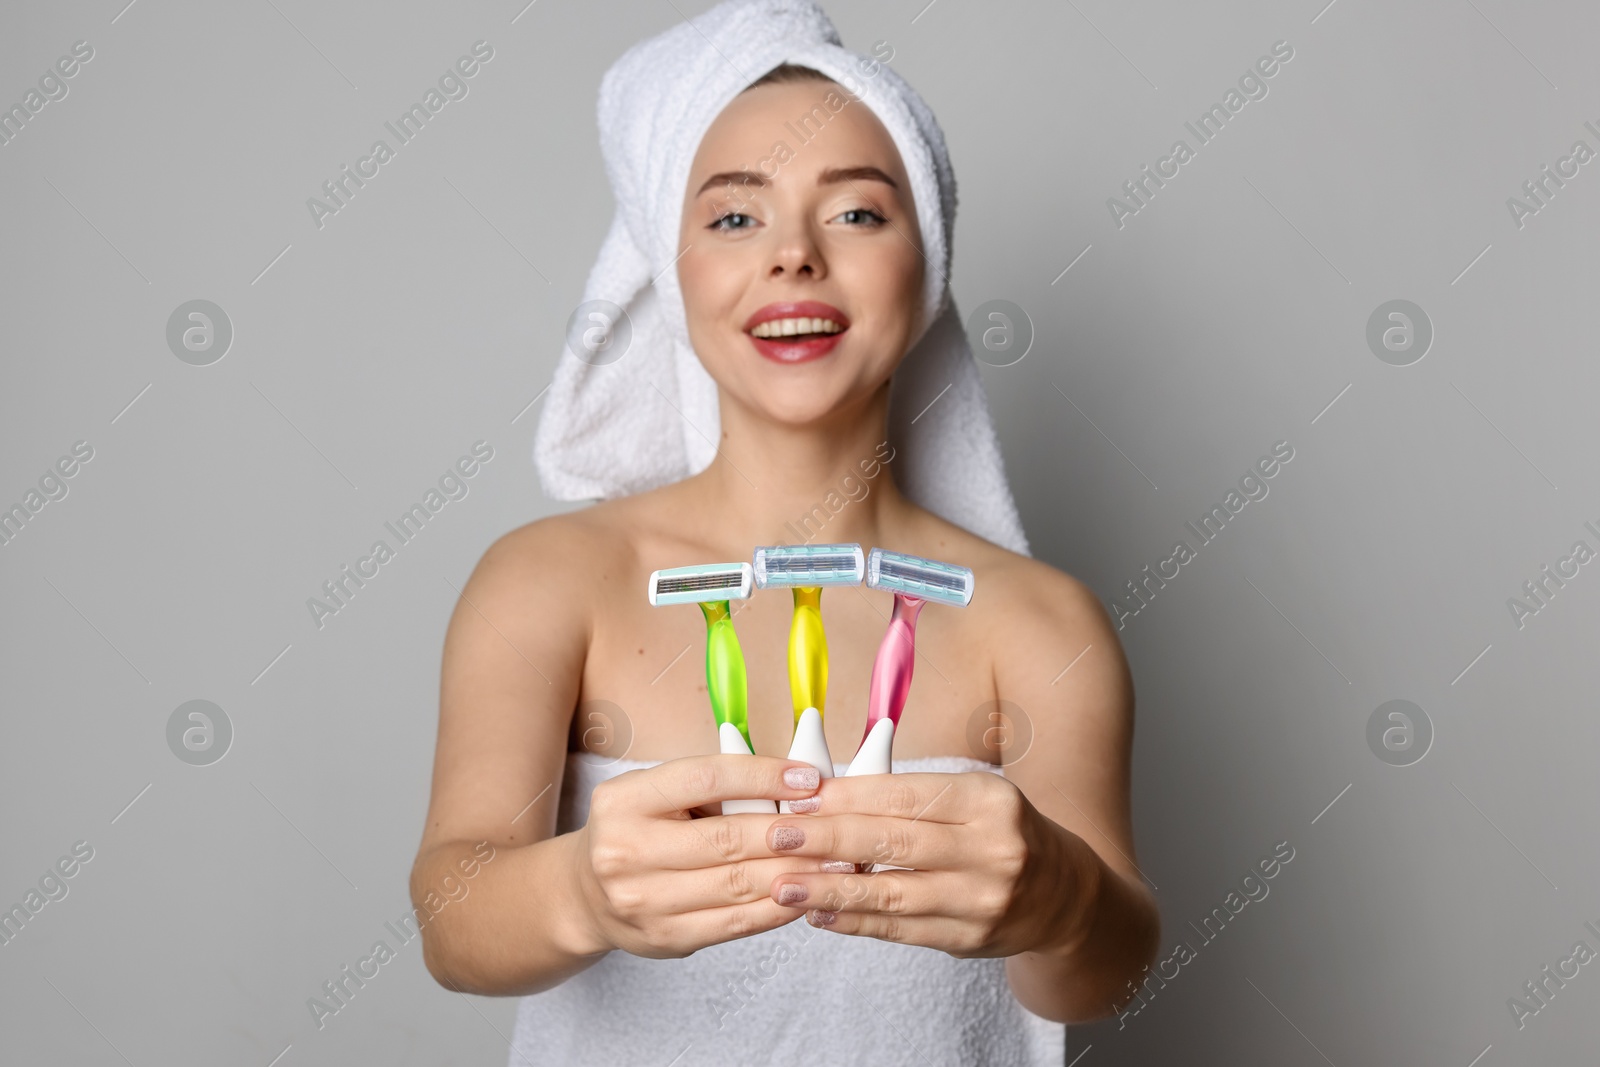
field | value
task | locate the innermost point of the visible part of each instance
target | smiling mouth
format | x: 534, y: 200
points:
x: 791, y: 332
x: 796, y: 340
x: 796, y: 329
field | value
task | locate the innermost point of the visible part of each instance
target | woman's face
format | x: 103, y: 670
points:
x: 778, y: 230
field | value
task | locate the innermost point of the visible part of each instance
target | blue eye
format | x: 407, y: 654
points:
x: 720, y: 223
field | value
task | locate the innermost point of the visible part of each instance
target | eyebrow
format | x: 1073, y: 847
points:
x: 827, y: 177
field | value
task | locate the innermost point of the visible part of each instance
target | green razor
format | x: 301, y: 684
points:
x: 712, y: 586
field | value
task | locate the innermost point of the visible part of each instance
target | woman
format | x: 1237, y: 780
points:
x: 639, y: 924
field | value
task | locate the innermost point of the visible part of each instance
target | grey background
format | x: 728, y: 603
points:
x: 1225, y: 316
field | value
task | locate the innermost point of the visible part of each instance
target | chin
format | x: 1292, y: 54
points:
x: 786, y: 411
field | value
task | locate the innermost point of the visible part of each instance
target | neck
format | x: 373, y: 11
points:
x: 773, y: 483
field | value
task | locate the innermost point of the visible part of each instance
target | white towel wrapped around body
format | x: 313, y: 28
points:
x: 793, y: 995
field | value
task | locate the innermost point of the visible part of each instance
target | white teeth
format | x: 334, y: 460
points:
x: 790, y: 327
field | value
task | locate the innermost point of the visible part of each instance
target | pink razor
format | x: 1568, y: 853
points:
x: 914, y: 581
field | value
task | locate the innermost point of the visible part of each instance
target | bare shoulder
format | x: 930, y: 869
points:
x: 1033, y: 594
x: 570, y: 548
x: 1011, y: 584
x: 1037, y: 620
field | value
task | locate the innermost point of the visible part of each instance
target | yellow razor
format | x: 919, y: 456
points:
x: 806, y: 569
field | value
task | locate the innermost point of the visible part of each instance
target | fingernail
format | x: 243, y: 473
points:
x: 805, y: 804
x: 790, y: 893
x: 787, y: 837
x: 839, y: 867
x: 801, y: 777
x: 821, y: 918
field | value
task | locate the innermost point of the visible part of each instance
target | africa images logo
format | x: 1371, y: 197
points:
x: 1210, y: 123
x: 1252, y: 486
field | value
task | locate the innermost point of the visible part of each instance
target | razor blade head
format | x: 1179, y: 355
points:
x: 926, y: 579
x: 700, y: 583
x: 803, y: 566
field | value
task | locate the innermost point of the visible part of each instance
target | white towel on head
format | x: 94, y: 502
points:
x: 615, y: 424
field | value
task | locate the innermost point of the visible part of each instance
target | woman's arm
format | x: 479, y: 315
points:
x: 1076, y: 772
x: 513, y: 662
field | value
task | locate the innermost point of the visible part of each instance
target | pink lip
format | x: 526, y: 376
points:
x: 781, y: 351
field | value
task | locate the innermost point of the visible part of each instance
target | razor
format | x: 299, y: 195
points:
x: 712, y: 586
x: 807, y: 569
x: 914, y: 581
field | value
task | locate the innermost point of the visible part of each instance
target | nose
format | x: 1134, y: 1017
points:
x: 796, y: 253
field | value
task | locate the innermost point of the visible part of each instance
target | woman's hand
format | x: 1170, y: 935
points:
x: 661, y: 879
x: 991, y: 875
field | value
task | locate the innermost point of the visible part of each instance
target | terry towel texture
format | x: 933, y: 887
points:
x: 791, y: 996
x: 615, y: 425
